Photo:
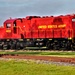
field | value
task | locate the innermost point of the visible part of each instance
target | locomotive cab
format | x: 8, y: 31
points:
x: 8, y: 24
x: 8, y: 28
x: 11, y: 34
x: 11, y: 29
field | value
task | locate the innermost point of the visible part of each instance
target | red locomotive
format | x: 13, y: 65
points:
x: 35, y: 32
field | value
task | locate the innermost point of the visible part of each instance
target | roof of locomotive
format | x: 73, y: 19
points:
x: 37, y: 17
x: 10, y: 20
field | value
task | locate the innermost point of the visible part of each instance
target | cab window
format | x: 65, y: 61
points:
x: 8, y: 25
x: 73, y: 20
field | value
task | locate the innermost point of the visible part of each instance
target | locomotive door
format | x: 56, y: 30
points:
x: 14, y: 28
x: 73, y: 24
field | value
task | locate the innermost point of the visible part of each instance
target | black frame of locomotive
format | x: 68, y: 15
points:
x: 35, y: 44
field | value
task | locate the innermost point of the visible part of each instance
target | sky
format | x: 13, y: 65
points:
x: 23, y: 8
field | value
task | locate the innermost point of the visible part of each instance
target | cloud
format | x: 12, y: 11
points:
x: 22, y: 8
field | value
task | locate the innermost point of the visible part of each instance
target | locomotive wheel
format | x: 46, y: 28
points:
x: 55, y: 45
x: 17, y: 46
x: 21, y: 46
x: 72, y: 47
x: 69, y: 45
x: 48, y: 45
x: 1, y: 46
x: 4, y: 47
x: 13, y: 46
x: 63, y: 45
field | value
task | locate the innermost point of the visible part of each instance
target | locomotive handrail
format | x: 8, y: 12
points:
x: 19, y: 28
x: 31, y: 31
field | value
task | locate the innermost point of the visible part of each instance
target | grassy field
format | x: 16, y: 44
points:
x: 13, y: 67
x: 46, y: 53
x: 16, y: 67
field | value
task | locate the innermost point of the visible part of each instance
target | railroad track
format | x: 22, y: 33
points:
x: 46, y: 58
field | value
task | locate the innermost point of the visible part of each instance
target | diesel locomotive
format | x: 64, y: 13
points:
x: 35, y: 32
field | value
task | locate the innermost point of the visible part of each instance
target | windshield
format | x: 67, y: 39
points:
x: 8, y: 25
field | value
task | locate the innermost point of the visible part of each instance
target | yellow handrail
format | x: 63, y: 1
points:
x: 19, y: 28
x: 45, y: 30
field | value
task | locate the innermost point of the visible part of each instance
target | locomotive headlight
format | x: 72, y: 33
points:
x: 69, y: 38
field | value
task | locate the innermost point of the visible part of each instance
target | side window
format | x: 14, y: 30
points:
x: 14, y: 24
x: 73, y: 20
x: 57, y: 21
x: 14, y: 28
x: 8, y: 25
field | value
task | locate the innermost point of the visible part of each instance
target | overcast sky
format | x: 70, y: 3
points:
x: 22, y: 8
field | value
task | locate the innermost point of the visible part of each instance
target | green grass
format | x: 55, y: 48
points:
x: 13, y: 67
x: 55, y: 53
